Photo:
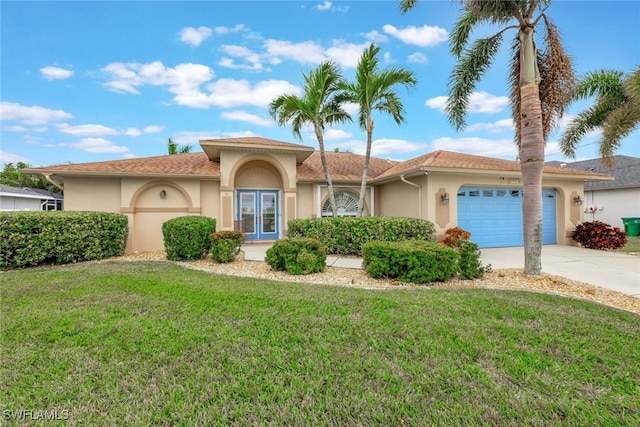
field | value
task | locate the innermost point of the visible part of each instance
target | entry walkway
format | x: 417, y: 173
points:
x: 609, y: 270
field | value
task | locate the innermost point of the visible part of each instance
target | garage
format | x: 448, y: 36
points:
x: 493, y: 216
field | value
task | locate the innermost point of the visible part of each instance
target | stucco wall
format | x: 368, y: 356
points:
x: 612, y: 205
x: 399, y: 199
x: 92, y: 194
x: 305, y: 201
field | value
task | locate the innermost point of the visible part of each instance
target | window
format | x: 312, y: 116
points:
x: 346, y: 203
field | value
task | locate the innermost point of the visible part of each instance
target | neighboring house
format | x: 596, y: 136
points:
x: 28, y: 199
x: 610, y: 201
x: 260, y: 184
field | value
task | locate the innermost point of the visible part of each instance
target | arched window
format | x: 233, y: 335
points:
x: 346, y: 203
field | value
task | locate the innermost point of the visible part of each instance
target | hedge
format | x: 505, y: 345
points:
x: 188, y: 238
x: 346, y: 235
x: 29, y: 238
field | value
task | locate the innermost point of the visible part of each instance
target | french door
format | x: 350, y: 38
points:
x: 258, y: 213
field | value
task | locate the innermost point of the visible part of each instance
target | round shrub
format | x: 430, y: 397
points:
x: 297, y: 255
x: 599, y: 235
x: 225, y: 245
x: 188, y: 238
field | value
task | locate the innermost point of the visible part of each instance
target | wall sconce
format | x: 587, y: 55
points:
x: 577, y: 200
x: 444, y: 198
x: 163, y: 194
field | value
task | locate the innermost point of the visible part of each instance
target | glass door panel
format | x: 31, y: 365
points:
x: 268, y: 210
x: 248, y: 212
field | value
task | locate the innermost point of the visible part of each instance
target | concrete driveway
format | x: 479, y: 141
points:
x: 610, y: 270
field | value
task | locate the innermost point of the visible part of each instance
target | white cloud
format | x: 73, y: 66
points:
x: 195, y: 36
x: 495, y: 127
x: 384, y: 147
x: 333, y: 134
x: 323, y: 6
x: 243, y: 116
x: 254, y: 59
x: 425, y: 36
x: 30, y: 115
x: 226, y: 30
x: 153, y: 129
x: 15, y: 128
x: 305, y: 52
x: 98, y: 145
x: 417, y: 58
x: 484, y: 102
x: 55, y: 73
x: 375, y: 36
x: 503, y: 148
x: 437, y: 103
x: 479, y: 102
x: 132, y: 132
x: 183, y: 81
x: 87, y: 130
x: 233, y: 93
x: 8, y: 157
x: 346, y: 54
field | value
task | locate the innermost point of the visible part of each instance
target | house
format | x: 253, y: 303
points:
x: 258, y: 185
x: 610, y: 201
x: 28, y: 199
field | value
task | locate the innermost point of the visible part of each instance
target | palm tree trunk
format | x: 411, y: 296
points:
x: 532, y: 163
x: 365, y: 170
x: 327, y: 174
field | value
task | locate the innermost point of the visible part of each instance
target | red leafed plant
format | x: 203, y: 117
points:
x: 599, y: 235
x: 455, y: 237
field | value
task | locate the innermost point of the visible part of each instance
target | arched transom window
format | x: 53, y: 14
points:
x: 346, y: 203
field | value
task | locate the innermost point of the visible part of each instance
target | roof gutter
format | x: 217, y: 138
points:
x: 54, y: 183
x: 419, y: 187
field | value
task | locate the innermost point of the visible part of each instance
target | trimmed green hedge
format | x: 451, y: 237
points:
x: 297, y: 255
x: 188, y: 238
x: 346, y: 235
x: 60, y: 237
x: 410, y: 261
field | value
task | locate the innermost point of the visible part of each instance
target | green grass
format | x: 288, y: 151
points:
x: 633, y: 244
x: 141, y: 344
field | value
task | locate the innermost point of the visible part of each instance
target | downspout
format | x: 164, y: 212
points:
x: 52, y: 182
x: 419, y: 187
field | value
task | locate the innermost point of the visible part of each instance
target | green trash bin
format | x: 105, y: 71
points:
x: 631, y: 226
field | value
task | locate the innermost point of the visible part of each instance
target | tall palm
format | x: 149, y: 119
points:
x: 318, y: 106
x: 541, y: 83
x: 173, y: 148
x: 374, y: 90
x: 616, y: 111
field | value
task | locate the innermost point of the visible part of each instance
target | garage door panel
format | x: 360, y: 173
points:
x: 494, y: 215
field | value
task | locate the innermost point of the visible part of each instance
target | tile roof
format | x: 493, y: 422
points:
x: 625, y: 170
x: 448, y: 160
x: 344, y: 167
x: 191, y: 164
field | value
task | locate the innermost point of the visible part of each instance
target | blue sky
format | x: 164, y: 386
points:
x: 89, y: 81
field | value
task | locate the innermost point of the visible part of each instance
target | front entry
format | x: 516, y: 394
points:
x: 258, y: 213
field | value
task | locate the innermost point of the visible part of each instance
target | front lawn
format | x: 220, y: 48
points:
x: 136, y: 344
x: 633, y: 245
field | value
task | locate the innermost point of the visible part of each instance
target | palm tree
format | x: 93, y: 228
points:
x: 373, y: 90
x: 173, y: 148
x: 318, y: 106
x: 541, y: 84
x: 616, y: 111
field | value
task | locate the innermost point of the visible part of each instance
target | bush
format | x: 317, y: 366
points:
x: 225, y: 245
x: 469, y: 263
x: 59, y: 237
x: 599, y: 235
x: 297, y: 255
x: 410, y: 261
x: 455, y: 237
x: 346, y: 235
x: 188, y: 238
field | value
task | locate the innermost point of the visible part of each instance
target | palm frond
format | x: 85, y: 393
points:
x: 470, y: 68
x: 557, y: 78
x: 514, y: 85
x: 632, y: 85
x: 494, y: 11
x: 602, y: 83
x: 618, y: 124
x: 461, y: 30
x: 584, y: 123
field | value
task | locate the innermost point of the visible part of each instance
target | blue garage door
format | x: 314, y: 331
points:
x: 493, y: 216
